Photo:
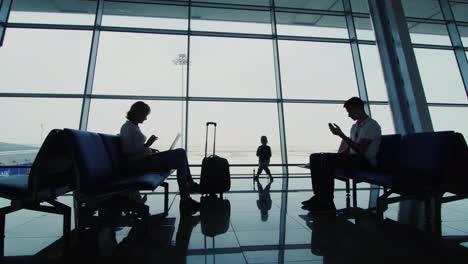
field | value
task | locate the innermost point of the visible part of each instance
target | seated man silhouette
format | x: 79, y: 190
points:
x: 355, y: 152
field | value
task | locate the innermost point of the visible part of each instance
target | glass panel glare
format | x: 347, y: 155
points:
x: 44, y: 61
x: 230, y: 20
x: 422, y: 9
x: 141, y: 64
x: 375, y: 82
x: 239, y: 128
x: 311, y: 25
x: 67, y: 12
x: 450, y: 118
x: 331, y: 5
x: 145, y: 15
x: 307, y: 130
x: 164, y: 121
x: 231, y: 67
x: 27, y: 121
x: 440, y: 76
x: 315, y: 70
x: 425, y: 33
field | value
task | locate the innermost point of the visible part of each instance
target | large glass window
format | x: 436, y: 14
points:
x: 44, y: 61
x: 68, y: 12
x: 460, y: 11
x: 422, y: 9
x: 440, y: 76
x: 307, y: 130
x: 426, y: 33
x: 309, y: 25
x: 316, y: 70
x: 230, y: 20
x: 311, y: 4
x: 375, y: 82
x: 383, y: 115
x: 239, y: 128
x: 164, y: 121
x: 140, y: 64
x: 145, y: 15
x: 463, y: 31
x: 450, y: 118
x: 231, y: 67
x: 364, y: 30
x: 27, y: 121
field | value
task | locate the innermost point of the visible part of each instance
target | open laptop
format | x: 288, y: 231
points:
x: 174, y: 143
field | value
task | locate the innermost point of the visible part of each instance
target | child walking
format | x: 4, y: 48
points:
x: 264, y: 155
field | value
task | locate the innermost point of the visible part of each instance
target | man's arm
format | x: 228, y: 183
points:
x: 360, y: 146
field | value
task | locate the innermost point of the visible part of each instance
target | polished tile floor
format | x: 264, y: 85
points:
x: 255, y: 223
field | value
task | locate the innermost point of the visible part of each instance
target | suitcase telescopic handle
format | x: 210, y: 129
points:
x: 206, y: 140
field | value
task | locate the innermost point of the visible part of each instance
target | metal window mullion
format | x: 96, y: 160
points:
x: 358, y: 69
x: 189, y: 28
x: 282, y: 132
x: 457, y: 44
x: 4, y: 13
x: 91, y: 67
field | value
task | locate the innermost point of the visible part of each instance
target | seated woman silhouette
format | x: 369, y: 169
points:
x: 140, y: 157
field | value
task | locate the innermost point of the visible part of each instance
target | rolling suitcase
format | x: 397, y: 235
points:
x: 215, y: 176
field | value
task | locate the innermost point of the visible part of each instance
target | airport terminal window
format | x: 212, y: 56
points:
x: 375, y: 82
x: 237, y: 2
x: 383, y: 115
x: 422, y: 9
x: 364, y: 29
x: 310, y: 25
x: 359, y: 6
x: 164, y: 121
x: 440, y: 76
x: 145, y: 15
x: 140, y: 64
x: 428, y: 33
x: 231, y: 67
x: 65, y: 12
x: 307, y: 129
x: 450, y: 118
x: 240, y: 126
x: 460, y: 11
x: 316, y: 70
x: 331, y: 5
x: 27, y: 121
x: 54, y: 61
x: 464, y: 35
x: 230, y: 20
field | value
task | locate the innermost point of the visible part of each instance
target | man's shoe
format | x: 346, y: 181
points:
x: 321, y: 207
x: 312, y: 200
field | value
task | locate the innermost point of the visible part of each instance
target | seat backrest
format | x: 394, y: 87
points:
x: 91, y: 159
x: 52, y: 170
x: 425, y: 156
x: 113, y: 148
x: 389, y: 150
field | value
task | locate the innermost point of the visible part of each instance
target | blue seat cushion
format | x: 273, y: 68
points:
x: 14, y: 186
x: 142, y: 181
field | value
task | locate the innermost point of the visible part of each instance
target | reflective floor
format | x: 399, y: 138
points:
x: 256, y: 223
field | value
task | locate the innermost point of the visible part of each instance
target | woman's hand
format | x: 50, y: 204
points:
x: 151, y: 140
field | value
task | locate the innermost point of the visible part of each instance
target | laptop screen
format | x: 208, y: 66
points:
x: 174, y: 143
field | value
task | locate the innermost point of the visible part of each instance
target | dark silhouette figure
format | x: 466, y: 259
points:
x: 264, y: 155
x: 264, y: 200
x: 142, y: 158
x: 355, y: 152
